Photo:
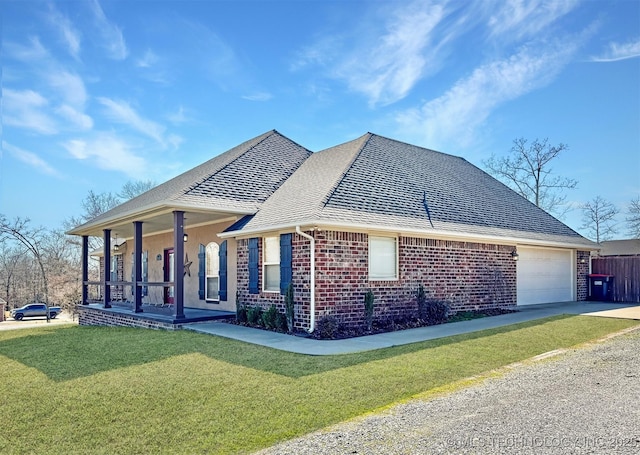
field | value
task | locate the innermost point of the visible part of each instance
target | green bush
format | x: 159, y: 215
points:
x: 241, y: 310
x: 281, y: 322
x: 289, y: 307
x: 368, y: 308
x: 437, y: 312
x: 328, y: 327
x: 421, y: 298
x: 270, y: 318
x: 254, y: 315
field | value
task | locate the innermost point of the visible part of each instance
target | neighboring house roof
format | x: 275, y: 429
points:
x: 237, y: 181
x: 378, y: 183
x: 629, y: 247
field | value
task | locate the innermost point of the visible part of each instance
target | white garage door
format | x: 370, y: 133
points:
x: 544, y: 276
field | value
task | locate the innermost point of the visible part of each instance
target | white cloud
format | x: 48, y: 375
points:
x: 111, y: 35
x: 108, y: 152
x: 122, y: 112
x: 179, y: 116
x: 26, y: 109
x: 259, y: 96
x: 525, y: 19
x: 456, y: 116
x: 617, y: 51
x: 148, y: 59
x: 32, y: 53
x: 70, y: 35
x: 68, y: 85
x: 79, y: 119
x: 386, y: 56
x: 390, y: 68
x: 31, y: 159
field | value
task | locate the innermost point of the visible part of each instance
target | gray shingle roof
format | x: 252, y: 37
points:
x: 238, y: 180
x: 379, y: 182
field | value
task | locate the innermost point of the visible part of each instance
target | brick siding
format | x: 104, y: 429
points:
x: 582, y: 267
x: 468, y: 276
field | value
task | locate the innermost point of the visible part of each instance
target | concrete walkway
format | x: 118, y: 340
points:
x: 302, y: 345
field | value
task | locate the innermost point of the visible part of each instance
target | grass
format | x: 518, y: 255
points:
x: 79, y: 390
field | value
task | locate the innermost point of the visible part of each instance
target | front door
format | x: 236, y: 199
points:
x: 169, y: 275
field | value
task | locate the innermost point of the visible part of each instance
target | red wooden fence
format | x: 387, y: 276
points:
x: 626, y: 270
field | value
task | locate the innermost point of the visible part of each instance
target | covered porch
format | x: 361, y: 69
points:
x: 110, y: 297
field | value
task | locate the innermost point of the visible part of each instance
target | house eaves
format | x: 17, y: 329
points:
x: 503, y: 238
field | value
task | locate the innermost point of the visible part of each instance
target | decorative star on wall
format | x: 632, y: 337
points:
x: 187, y: 265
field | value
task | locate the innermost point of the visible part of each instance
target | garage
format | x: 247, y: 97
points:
x: 544, y: 275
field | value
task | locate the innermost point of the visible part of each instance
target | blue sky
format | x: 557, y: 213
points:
x: 96, y: 93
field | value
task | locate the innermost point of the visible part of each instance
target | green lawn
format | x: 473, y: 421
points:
x: 117, y: 390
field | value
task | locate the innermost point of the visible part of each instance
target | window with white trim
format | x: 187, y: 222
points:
x: 383, y: 258
x: 271, y: 264
x: 212, y: 262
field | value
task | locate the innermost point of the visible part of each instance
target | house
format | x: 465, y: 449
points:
x: 627, y: 247
x: 373, y: 213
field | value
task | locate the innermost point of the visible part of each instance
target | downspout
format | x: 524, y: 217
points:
x: 312, y: 301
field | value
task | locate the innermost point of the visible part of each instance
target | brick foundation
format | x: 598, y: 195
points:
x: 92, y: 316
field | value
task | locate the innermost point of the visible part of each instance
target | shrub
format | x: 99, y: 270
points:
x: 368, y: 308
x: 421, y: 298
x: 269, y: 318
x: 241, y: 310
x: 289, y: 307
x: 281, y: 322
x: 327, y: 327
x: 436, y: 312
x: 254, y: 315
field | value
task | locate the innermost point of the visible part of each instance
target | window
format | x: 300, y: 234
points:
x: 213, y: 271
x: 114, y: 268
x: 271, y: 264
x: 383, y: 258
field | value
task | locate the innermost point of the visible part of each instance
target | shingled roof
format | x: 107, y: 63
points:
x: 238, y: 180
x: 378, y: 183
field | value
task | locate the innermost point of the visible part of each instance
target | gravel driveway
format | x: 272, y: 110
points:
x: 579, y: 401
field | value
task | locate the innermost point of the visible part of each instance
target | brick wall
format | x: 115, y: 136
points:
x: 301, y: 280
x: 582, y: 267
x: 117, y: 292
x: 466, y: 275
x: 100, y: 317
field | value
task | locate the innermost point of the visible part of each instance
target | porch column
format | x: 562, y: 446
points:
x: 178, y: 258
x: 85, y: 269
x: 137, y: 265
x: 106, y: 275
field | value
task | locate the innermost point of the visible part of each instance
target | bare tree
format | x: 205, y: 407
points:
x: 132, y: 188
x: 31, y: 239
x: 598, y: 218
x: 633, y: 218
x: 527, y: 170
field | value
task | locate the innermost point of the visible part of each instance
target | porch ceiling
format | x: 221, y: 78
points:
x: 156, y: 222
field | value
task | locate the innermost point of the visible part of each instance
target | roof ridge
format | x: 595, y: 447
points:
x: 194, y: 185
x: 332, y: 191
x: 418, y: 146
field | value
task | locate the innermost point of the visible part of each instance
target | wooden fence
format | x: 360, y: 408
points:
x: 626, y: 272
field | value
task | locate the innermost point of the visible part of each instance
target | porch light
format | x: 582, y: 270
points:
x: 514, y: 255
x: 116, y: 247
x: 185, y: 237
